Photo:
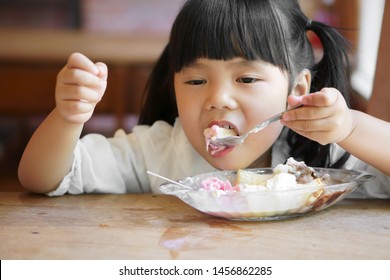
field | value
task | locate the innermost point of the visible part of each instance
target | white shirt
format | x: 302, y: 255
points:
x: 119, y: 164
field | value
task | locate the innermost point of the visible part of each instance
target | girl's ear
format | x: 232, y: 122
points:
x: 302, y: 83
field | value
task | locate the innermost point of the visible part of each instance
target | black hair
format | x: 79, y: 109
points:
x: 273, y: 31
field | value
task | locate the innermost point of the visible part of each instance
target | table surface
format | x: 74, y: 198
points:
x: 148, y: 226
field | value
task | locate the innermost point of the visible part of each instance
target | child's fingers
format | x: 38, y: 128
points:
x: 317, y: 105
x: 80, y: 86
x: 318, y: 125
x: 74, y: 92
x: 103, y: 71
x: 324, y: 118
x: 323, y: 131
x: 307, y: 113
x: 80, y: 61
x: 80, y: 77
x: 325, y: 97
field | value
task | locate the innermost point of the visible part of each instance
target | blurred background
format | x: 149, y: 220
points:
x: 36, y: 37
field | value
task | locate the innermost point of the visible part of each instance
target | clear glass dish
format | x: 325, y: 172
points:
x: 266, y: 205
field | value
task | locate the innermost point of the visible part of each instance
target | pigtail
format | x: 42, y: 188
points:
x: 158, y: 100
x: 331, y: 71
x: 333, y: 68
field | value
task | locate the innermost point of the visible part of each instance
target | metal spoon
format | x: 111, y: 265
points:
x: 166, y: 179
x: 230, y: 141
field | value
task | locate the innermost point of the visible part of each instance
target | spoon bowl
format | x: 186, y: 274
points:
x: 230, y: 141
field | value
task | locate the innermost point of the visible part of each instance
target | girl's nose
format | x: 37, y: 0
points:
x: 221, y: 99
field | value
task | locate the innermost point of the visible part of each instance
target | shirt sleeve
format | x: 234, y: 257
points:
x: 106, y: 165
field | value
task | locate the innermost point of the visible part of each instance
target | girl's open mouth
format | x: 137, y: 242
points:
x: 219, y: 151
x: 218, y: 130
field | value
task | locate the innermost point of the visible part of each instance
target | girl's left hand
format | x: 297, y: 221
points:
x: 324, y: 118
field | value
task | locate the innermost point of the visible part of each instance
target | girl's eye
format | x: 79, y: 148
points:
x: 196, y: 82
x: 247, y: 80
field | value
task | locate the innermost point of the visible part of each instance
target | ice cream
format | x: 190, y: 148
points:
x: 287, y: 176
x: 303, y: 173
x: 215, y: 132
x: 217, y: 186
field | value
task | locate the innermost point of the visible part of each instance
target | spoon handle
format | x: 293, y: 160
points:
x: 272, y: 119
x: 166, y: 179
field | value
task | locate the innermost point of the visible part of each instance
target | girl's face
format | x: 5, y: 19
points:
x: 236, y: 93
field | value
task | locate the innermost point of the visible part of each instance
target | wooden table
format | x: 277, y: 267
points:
x: 163, y: 227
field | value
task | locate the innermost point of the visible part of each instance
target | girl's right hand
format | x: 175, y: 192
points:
x: 80, y: 86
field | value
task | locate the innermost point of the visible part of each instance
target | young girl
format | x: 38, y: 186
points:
x: 231, y: 63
